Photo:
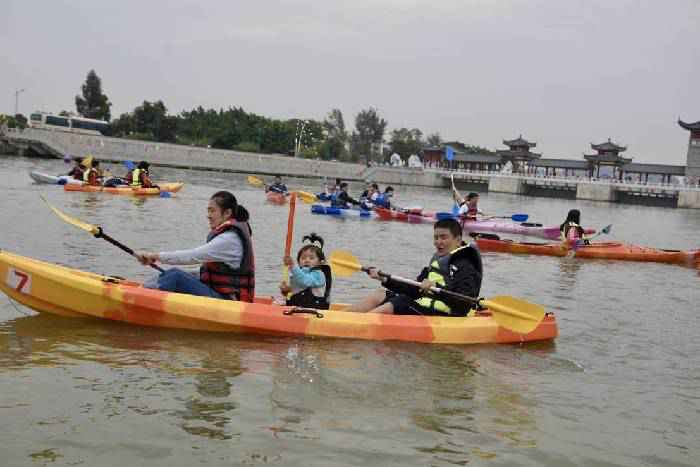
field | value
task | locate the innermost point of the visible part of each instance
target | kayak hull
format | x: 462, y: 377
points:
x: 275, y: 198
x: 523, y: 228
x: 40, y: 177
x: 340, y: 212
x: 596, y: 250
x: 63, y: 291
x: 126, y: 190
x: 400, y: 216
x: 490, y: 225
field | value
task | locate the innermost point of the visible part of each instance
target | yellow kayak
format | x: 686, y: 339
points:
x: 126, y: 190
x: 49, y: 288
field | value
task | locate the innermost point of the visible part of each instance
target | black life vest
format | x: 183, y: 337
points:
x: 307, y: 299
x: 236, y: 283
x: 439, y: 269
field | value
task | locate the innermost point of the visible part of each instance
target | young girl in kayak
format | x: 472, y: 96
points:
x: 571, y: 230
x: 455, y: 266
x: 310, y: 280
x: 469, y: 208
x: 227, y: 259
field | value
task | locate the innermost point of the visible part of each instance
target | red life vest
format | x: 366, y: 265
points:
x: 238, y: 283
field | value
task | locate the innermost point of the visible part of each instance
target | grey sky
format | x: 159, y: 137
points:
x: 563, y: 73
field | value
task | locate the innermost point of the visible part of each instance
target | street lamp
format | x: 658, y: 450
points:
x: 300, y: 132
x: 17, y: 93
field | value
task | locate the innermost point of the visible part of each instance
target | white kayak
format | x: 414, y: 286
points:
x: 41, y: 177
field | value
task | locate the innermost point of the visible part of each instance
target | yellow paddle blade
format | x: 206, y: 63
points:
x: 305, y: 196
x: 514, y: 313
x: 344, y: 264
x: 66, y: 218
x: 255, y: 181
x: 87, y: 162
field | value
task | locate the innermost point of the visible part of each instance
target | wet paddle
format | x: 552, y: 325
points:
x: 94, y: 230
x: 290, y: 231
x: 605, y: 230
x: 511, y: 313
x: 514, y: 217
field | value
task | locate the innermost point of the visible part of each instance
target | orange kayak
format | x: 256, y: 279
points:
x: 275, y: 197
x: 126, y: 190
x: 596, y: 250
x: 59, y: 290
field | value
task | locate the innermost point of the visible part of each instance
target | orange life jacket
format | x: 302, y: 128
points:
x: 239, y: 283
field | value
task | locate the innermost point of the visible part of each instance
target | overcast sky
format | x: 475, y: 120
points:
x: 562, y: 73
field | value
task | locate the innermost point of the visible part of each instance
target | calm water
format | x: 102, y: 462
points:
x: 621, y: 385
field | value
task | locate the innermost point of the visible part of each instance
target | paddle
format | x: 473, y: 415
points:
x: 511, y: 313
x: 94, y: 230
x: 514, y: 217
x: 605, y: 230
x: 305, y: 196
x: 290, y: 234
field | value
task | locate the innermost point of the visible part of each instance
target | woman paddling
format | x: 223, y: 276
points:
x: 571, y: 230
x: 227, y: 259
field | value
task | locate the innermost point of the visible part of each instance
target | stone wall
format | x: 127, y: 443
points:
x: 506, y: 185
x: 595, y: 192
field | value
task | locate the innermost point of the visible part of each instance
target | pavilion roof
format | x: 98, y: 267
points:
x: 689, y: 126
x: 519, y: 141
x: 611, y: 158
x: 561, y: 163
x: 476, y: 157
x: 657, y: 169
x: 608, y: 146
x: 518, y: 154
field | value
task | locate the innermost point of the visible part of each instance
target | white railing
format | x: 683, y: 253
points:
x: 571, y: 179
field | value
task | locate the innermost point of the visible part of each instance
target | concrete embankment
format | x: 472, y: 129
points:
x: 53, y: 143
x: 50, y: 143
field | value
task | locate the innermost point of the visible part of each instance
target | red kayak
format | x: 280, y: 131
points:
x: 390, y: 215
x: 596, y: 250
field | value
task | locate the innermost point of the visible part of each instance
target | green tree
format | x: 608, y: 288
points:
x: 406, y: 142
x: 93, y: 103
x: 336, y: 136
x: 151, y: 118
x: 433, y: 140
x: 368, y: 134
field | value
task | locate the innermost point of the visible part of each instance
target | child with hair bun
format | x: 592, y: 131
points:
x: 309, y: 280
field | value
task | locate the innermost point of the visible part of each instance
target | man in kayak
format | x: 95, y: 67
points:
x: 278, y: 186
x: 455, y: 266
x: 227, y: 259
x: 140, y: 176
x: 343, y: 199
x: 77, y: 170
x: 383, y: 200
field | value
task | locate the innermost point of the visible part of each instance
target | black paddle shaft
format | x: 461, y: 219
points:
x: 437, y: 290
x: 100, y: 234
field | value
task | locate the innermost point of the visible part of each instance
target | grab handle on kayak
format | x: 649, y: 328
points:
x: 301, y: 310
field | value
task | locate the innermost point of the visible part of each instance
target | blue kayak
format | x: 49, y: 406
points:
x: 340, y: 212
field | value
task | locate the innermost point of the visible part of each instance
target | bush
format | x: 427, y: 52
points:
x: 247, y: 146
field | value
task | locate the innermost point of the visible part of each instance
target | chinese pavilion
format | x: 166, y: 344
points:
x: 518, y: 153
x: 608, y: 155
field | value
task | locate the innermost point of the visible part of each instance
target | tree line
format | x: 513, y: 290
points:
x: 234, y: 128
